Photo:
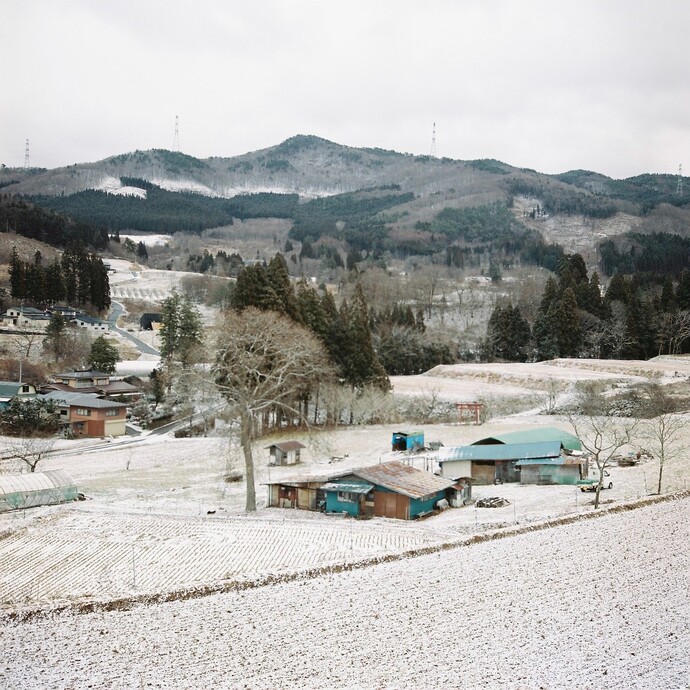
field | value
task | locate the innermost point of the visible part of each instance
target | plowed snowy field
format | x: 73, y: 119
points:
x: 77, y: 555
x: 600, y: 603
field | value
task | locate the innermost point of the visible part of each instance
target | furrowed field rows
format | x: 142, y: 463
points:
x: 81, y: 554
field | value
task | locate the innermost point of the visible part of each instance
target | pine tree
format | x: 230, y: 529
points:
x: 254, y: 289
x: 103, y: 356
x: 279, y: 280
x: 190, y: 331
x: 362, y: 365
x: 311, y: 309
x: 17, y: 276
x: 55, y: 341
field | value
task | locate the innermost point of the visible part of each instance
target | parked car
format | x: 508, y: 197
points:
x: 590, y: 484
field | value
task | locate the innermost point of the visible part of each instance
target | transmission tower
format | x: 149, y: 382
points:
x: 176, y: 138
x: 26, y: 155
x: 433, y: 142
x: 679, y: 187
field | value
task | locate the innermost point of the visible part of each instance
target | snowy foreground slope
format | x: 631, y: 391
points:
x: 599, y: 603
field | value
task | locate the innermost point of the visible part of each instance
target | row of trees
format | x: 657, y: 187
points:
x: 77, y: 278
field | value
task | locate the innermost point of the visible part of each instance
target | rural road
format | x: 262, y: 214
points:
x: 116, y: 310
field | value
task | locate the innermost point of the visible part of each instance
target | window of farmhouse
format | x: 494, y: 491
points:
x: 83, y: 412
x: 347, y: 497
x: 112, y: 413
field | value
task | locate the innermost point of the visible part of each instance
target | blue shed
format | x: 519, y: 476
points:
x: 390, y: 489
x: 408, y: 440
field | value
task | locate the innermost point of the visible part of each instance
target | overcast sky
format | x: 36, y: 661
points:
x: 552, y: 85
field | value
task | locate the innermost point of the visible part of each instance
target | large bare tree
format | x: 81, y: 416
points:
x: 266, y: 365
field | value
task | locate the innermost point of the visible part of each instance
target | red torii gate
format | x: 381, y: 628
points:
x: 468, y: 411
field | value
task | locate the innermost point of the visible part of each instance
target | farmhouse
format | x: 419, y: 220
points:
x: 12, y: 389
x: 36, y: 489
x: 89, y: 381
x: 25, y: 317
x: 390, y: 489
x: 90, y: 323
x: 285, y: 453
x: 83, y: 414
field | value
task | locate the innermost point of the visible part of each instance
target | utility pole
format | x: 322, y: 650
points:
x: 26, y: 156
x: 176, y: 138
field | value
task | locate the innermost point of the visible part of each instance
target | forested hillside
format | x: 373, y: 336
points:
x: 162, y: 211
x: 29, y: 220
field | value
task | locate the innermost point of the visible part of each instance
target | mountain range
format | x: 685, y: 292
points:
x: 416, y: 188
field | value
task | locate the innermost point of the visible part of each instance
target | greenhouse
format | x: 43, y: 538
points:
x: 19, y: 491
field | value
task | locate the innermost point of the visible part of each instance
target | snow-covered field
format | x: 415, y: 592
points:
x: 599, y: 603
x: 161, y: 518
x: 595, y: 604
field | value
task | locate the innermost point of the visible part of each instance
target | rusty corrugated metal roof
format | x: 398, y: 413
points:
x: 403, y: 479
x: 286, y: 446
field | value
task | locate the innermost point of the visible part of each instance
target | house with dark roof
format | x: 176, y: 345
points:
x: 90, y: 381
x: 25, y: 317
x: 389, y: 489
x: 90, y: 323
x: 84, y: 414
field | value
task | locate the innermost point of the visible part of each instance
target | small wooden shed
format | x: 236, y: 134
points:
x: 285, y: 453
x: 304, y: 494
x: 19, y: 491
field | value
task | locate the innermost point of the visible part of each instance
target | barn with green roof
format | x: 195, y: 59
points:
x: 538, y: 435
x: 500, y: 458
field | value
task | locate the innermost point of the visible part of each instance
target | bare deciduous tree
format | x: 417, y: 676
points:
x: 663, y: 436
x: 673, y: 329
x: 25, y: 452
x: 602, y: 438
x: 265, y: 364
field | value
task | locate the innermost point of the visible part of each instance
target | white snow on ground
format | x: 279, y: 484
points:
x: 522, y: 612
x: 112, y: 185
x: 132, y: 281
x: 599, y: 603
x: 184, y: 186
x: 155, y: 499
x: 148, y: 240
